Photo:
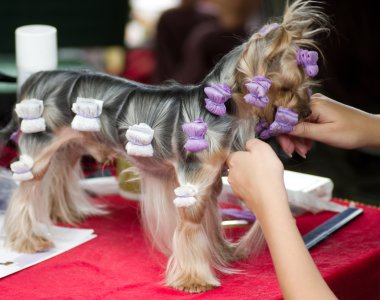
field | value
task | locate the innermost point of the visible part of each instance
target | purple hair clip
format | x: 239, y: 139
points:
x: 195, y: 132
x: 217, y: 95
x: 15, y: 136
x: 268, y: 28
x: 308, y: 59
x: 284, y: 122
x: 258, y: 89
x: 261, y: 125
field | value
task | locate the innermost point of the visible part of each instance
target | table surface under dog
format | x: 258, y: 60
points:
x: 120, y: 264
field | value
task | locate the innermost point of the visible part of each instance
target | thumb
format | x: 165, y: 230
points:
x: 306, y: 130
x: 252, y: 143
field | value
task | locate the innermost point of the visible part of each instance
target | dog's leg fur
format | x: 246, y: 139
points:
x: 68, y: 202
x: 253, y: 242
x: 212, y: 222
x: 158, y: 213
x: 28, y: 211
x: 198, y: 247
x: 53, y: 194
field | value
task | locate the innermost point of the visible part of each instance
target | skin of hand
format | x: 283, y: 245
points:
x: 249, y: 185
x: 256, y: 176
x: 337, y: 125
x: 291, y: 144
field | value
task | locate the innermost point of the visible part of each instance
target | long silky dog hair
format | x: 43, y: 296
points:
x: 191, y: 236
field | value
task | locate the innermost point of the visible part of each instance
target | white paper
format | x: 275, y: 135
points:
x: 63, y: 238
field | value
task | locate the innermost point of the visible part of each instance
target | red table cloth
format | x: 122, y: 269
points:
x: 120, y: 264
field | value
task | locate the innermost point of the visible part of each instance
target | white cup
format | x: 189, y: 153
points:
x: 36, y: 50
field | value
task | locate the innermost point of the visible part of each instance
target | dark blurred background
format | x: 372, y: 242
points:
x: 152, y: 41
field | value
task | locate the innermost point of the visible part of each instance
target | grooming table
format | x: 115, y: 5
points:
x: 120, y: 264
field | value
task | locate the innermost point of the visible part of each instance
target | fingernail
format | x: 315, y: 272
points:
x: 289, y: 154
x: 302, y: 155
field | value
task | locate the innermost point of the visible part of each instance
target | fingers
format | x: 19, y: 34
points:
x: 254, y: 144
x: 236, y: 156
x: 233, y: 158
x: 302, y: 146
x: 286, y: 144
x: 230, y: 160
x: 306, y: 130
x: 291, y: 144
x: 251, y: 144
x: 317, y: 96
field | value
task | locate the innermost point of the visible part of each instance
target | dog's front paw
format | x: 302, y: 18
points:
x: 195, y: 288
x: 191, y: 284
x: 32, y: 244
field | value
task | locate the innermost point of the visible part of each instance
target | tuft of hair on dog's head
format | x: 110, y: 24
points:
x: 273, y: 55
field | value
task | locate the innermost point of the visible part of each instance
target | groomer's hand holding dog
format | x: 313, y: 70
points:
x: 253, y: 186
x: 339, y: 125
x: 256, y: 176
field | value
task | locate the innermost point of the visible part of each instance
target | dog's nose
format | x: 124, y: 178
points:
x: 305, y: 113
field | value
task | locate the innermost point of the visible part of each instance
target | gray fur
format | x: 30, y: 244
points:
x: 179, y: 233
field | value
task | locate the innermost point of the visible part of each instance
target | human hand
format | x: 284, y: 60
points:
x: 291, y: 144
x: 256, y: 176
x: 335, y: 124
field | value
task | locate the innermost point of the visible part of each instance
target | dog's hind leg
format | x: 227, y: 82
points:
x: 28, y: 211
x: 31, y: 206
x: 197, y: 246
x: 68, y: 202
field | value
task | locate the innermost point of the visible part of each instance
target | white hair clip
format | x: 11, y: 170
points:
x: 87, y: 116
x: 139, y: 138
x: 185, y: 195
x: 30, y: 111
x: 22, y: 169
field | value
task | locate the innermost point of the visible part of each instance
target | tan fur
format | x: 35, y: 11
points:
x: 274, y: 56
x: 54, y: 195
x: 199, y: 244
x: 158, y: 213
x: 68, y: 202
x: 24, y: 218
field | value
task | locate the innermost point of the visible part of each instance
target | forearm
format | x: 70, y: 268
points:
x: 297, y: 274
x: 372, y: 131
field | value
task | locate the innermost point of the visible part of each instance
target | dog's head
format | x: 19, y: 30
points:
x: 276, y: 69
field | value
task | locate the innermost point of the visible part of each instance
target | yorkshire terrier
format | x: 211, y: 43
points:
x: 177, y: 137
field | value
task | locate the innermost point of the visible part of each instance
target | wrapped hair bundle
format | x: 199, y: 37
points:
x: 185, y: 195
x: 140, y: 138
x: 31, y: 112
x: 22, y: 169
x: 87, y: 116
